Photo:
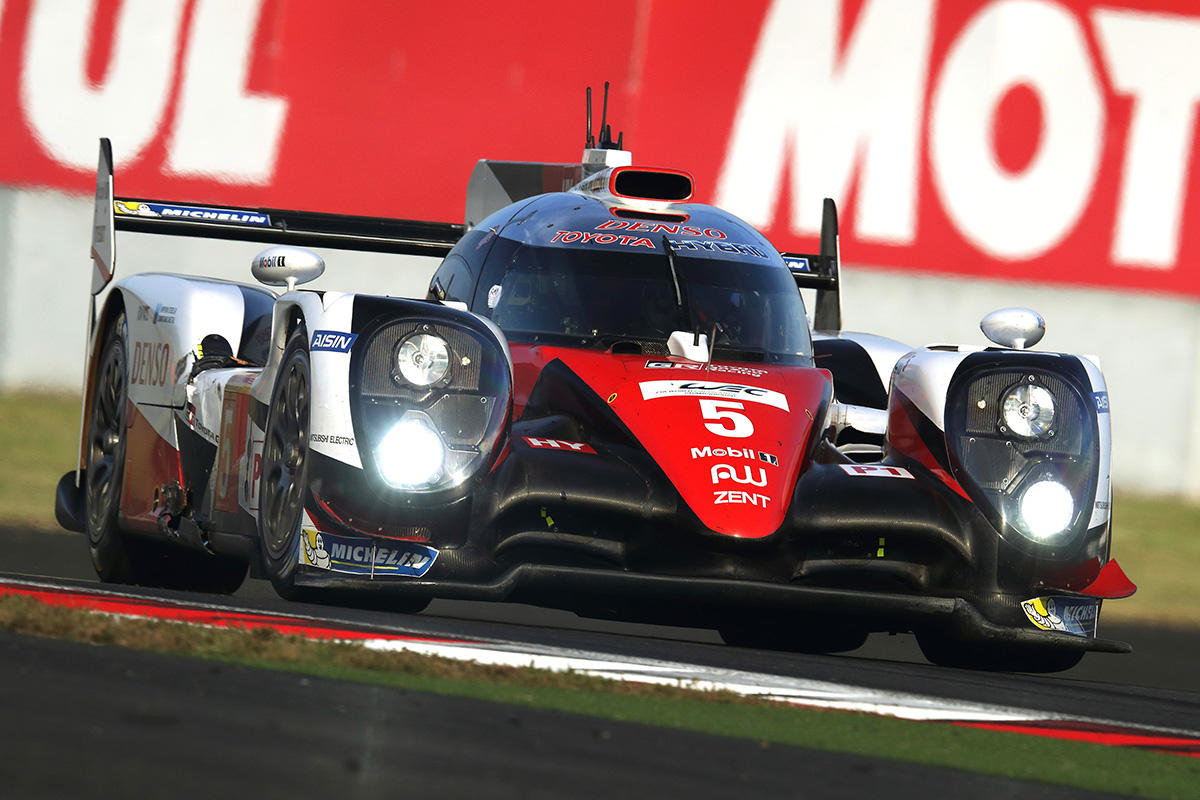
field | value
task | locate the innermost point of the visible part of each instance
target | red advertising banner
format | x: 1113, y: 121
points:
x: 1041, y: 140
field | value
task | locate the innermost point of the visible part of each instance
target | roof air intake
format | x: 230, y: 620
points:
x: 644, y: 183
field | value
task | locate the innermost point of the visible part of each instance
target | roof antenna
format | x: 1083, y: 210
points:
x: 605, y: 138
x: 600, y: 151
x: 589, y: 142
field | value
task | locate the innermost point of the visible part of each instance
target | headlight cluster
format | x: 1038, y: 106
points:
x: 1024, y: 444
x: 1028, y: 411
x: 431, y: 396
x: 422, y: 359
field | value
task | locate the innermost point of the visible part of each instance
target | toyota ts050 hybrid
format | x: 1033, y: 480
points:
x: 611, y: 401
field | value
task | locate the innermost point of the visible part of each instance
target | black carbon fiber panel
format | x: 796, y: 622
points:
x: 984, y: 413
x: 379, y: 375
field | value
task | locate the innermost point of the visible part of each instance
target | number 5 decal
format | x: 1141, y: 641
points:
x: 721, y: 410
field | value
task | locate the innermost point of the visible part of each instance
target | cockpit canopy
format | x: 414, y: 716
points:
x: 577, y: 275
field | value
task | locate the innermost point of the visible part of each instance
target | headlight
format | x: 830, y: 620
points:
x: 1025, y: 445
x: 430, y: 398
x: 412, y: 454
x: 1028, y: 411
x: 1047, y: 508
x: 422, y: 359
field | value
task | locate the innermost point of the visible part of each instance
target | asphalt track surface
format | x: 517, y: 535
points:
x: 102, y: 722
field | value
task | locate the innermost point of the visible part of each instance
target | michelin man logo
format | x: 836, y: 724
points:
x: 1040, y: 612
x: 134, y: 209
x: 315, y: 553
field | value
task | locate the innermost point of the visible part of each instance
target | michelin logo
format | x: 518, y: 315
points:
x: 315, y: 553
x: 133, y: 209
x: 1068, y: 615
x: 199, y: 213
x: 360, y: 556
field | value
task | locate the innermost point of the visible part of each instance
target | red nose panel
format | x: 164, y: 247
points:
x: 731, y: 438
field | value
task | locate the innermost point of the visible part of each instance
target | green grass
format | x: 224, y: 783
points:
x: 1155, y: 540
x: 39, y: 437
x: 1088, y: 766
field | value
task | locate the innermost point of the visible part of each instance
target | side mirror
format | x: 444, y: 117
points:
x: 1016, y: 328
x: 286, y: 266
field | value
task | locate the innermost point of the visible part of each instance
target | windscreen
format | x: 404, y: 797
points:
x: 601, y: 296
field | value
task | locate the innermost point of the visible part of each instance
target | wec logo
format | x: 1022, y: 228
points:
x: 652, y: 390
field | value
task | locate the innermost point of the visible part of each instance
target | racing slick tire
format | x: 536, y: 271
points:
x: 112, y: 552
x: 994, y: 657
x: 119, y: 557
x: 285, y: 466
x: 793, y: 637
x: 285, y: 476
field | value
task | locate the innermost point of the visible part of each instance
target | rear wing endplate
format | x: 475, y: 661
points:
x: 821, y: 272
x: 496, y: 184
x: 267, y: 225
x: 103, y: 241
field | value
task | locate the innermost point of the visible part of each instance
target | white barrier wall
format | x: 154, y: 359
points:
x: 1149, y: 345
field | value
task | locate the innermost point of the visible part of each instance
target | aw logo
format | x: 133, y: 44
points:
x: 333, y: 341
x: 723, y: 472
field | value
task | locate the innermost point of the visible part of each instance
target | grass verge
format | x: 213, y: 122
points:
x: 1155, y: 541
x: 1087, y: 766
x: 39, y: 436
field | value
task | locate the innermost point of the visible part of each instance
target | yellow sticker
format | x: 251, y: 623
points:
x: 612, y: 397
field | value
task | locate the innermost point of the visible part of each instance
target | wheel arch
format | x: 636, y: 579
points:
x: 113, y: 306
x: 291, y: 311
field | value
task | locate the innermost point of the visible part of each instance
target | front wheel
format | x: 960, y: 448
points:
x: 285, y: 466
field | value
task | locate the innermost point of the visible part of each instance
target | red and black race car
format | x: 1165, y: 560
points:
x: 612, y: 401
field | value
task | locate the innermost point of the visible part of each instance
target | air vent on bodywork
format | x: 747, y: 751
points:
x: 653, y: 216
x: 650, y: 183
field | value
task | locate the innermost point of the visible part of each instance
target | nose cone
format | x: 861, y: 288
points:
x: 730, y: 438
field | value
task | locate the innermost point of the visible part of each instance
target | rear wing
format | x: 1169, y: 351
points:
x: 267, y: 225
x: 496, y: 184
x: 820, y: 272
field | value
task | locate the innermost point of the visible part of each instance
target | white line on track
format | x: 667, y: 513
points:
x: 797, y: 691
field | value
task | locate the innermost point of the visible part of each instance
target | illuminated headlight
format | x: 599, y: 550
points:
x: 422, y: 359
x: 1046, y: 509
x: 1028, y: 411
x: 411, y: 455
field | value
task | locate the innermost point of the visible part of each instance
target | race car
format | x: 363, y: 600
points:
x: 612, y: 401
